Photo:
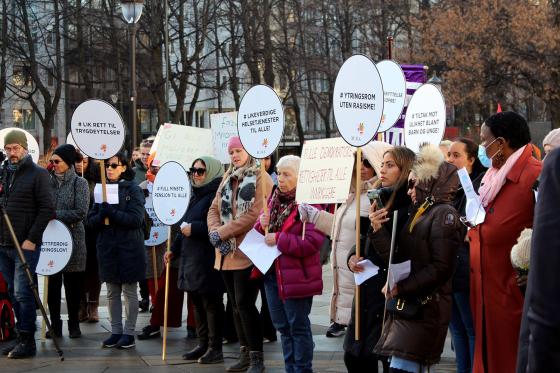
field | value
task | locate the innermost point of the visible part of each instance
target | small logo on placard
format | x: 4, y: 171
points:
x: 383, y: 118
x: 173, y: 212
x: 50, y: 264
x: 156, y: 235
x: 103, y: 148
x: 361, y: 128
x: 265, y: 143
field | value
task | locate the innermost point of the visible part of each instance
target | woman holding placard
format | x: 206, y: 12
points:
x: 233, y: 213
x: 296, y: 275
x: 120, y: 249
x: 196, y: 256
x: 71, y: 203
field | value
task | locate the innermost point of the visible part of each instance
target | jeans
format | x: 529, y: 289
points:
x: 115, y: 307
x: 20, y: 292
x: 462, y: 331
x: 291, y: 318
x: 242, y: 292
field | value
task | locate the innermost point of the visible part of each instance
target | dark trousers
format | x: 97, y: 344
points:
x: 144, y: 289
x: 209, y: 314
x: 91, y: 284
x: 73, y: 284
x: 359, y: 364
x: 242, y: 293
x: 175, y: 302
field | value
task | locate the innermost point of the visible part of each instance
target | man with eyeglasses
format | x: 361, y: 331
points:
x: 27, y: 197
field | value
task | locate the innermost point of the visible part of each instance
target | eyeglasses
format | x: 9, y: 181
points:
x: 9, y: 149
x: 411, y: 183
x: 198, y: 171
x: 112, y: 165
x: 55, y: 161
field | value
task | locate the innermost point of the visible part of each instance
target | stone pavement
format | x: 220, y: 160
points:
x: 85, y: 355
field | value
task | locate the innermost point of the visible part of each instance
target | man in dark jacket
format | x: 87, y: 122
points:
x: 27, y: 197
x: 539, y: 340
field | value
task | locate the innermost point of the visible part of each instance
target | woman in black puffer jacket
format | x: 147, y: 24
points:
x: 120, y: 249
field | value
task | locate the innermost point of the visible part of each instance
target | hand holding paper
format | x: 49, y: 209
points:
x: 398, y: 272
x: 369, y: 270
x: 112, y: 194
x: 258, y: 251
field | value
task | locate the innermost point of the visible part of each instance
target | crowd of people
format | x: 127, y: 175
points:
x: 461, y: 277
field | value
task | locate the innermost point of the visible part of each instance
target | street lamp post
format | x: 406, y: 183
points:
x: 132, y: 11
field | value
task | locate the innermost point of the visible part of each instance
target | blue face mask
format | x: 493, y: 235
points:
x: 486, y: 162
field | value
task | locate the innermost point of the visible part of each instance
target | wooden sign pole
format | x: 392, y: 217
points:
x: 45, y: 303
x: 263, y: 187
x: 358, y: 251
x: 165, y: 309
x: 103, y: 185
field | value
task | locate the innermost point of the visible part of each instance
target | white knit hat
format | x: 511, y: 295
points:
x: 521, y: 251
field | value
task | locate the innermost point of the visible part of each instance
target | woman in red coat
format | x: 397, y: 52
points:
x: 507, y: 196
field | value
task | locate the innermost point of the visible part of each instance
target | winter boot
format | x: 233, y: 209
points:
x: 212, y: 356
x: 74, y: 329
x: 257, y: 362
x: 196, y: 352
x: 56, y: 329
x: 25, y: 348
x: 242, y: 363
x: 11, y: 345
x: 93, y: 314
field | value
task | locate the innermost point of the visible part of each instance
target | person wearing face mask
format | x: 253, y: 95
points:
x: 234, y: 211
x: 415, y: 338
x: 507, y: 196
x: 120, y: 249
x: 395, y: 167
x: 463, y: 153
x: 71, y: 203
x: 342, y: 226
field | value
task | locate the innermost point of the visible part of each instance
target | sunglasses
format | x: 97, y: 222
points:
x: 198, y: 171
x: 55, y: 161
x: 411, y: 183
x: 112, y: 165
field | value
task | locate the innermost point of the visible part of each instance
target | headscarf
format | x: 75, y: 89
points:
x: 214, y: 169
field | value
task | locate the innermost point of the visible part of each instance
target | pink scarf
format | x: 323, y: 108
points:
x: 495, y: 178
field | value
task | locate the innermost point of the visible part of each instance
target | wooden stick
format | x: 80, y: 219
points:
x: 103, y: 185
x: 358, y: 251
x: 154, y: 266
x: 303, y: 232
x: 46, y: 305
x: 263, y: 187
x: 165, y: 308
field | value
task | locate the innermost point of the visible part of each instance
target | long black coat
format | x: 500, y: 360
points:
x: 197, y: 255
x: 120, y: 245
x: 372, y: 300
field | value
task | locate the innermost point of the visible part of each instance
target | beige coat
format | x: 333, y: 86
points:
x: 239, y: 227
x: 343, y: 239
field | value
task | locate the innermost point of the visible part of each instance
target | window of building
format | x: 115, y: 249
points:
x: 21, y: 76
x: 23, y: 118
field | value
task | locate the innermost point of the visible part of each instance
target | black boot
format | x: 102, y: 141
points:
x: 74, y: 329
x: 10, y: 346
x: 25, y: 348
x: 212, y: 356
x: 56, y: 329
x: 242, y: 363
x: 196, y: 352
x: 257, y: 362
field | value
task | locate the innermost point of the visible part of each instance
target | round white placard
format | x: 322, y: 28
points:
x: 32, y: 144
x: 260, y: 121
x: 358, y: 100
x: 56, y: 249
x: 394, y: 93
x: 425, y: 118
x: 158, y: 231
x: 171, y: 193
x: 97, y: 129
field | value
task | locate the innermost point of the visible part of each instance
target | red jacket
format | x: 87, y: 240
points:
x: 298, y: 269
x: 496, y: 300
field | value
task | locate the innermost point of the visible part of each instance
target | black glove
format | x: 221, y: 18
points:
x: 106, y: 210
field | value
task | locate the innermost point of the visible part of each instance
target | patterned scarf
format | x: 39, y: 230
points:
x: 282, y: 205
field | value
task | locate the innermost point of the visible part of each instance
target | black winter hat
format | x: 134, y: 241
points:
x: 68, y: 154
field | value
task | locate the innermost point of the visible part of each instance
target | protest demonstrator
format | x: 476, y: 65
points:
x: 463, y: 154
x: 27, y: 198
x: 551, y: 141
x: 508, y: 199
x: 71, y: 200
x: 392, y: 187
x: 89, y: 298
x: 538, y: 342
x: 296, y: 275
x: 120, y: 249
x: 342, y: 228
x: 421, y: 269
x: 232, y: 214
x: 196, y: 257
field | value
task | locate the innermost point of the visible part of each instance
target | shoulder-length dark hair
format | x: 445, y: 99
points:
x: 471, y: 149
x: 128, y: 174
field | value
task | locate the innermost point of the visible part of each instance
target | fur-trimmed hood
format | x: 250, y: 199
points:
x: 436, y: 178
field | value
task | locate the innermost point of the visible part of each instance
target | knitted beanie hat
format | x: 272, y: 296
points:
x: 16, y: 137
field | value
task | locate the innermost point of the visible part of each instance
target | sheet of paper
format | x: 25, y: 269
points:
x: 398, y: 272
x: 258, y: 251
x: 370, y: 270
x: 112, y: 194
x: 474, y: 210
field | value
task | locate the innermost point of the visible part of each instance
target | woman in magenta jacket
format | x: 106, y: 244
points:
x: 296, y: 275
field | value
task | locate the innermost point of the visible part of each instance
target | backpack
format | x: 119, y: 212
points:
x: 6, y: 313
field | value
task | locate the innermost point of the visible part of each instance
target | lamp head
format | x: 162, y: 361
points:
x: 132, y: 10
